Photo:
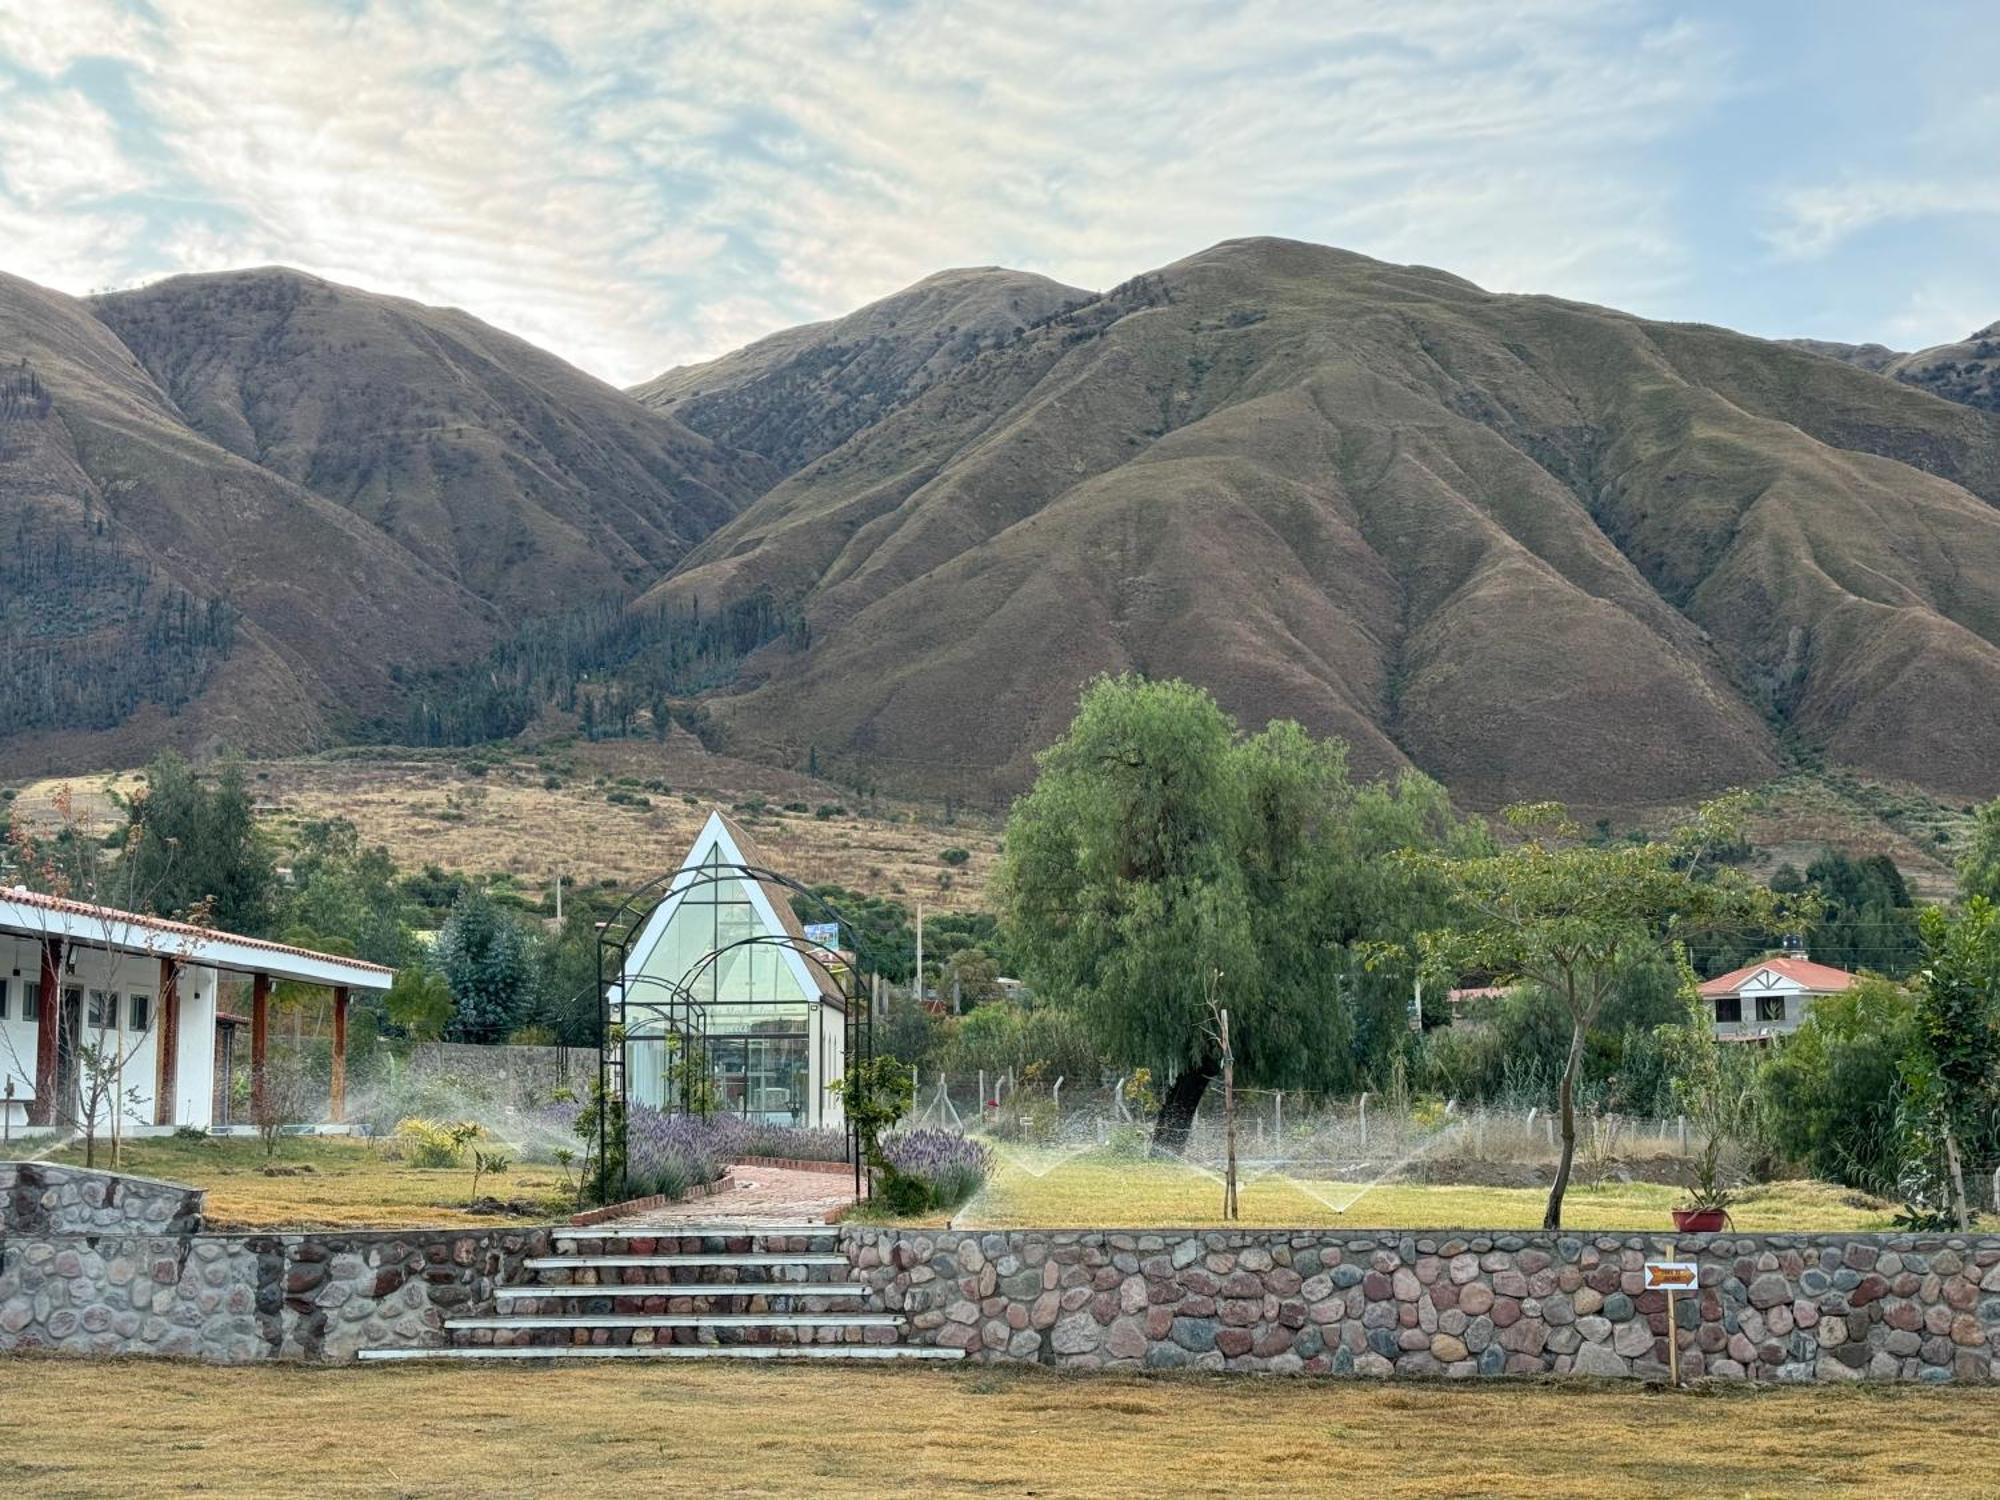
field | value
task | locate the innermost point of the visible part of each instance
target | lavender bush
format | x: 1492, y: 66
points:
x: 800, y: 1142
x: 668, y: 1154
x: 949, y: 1167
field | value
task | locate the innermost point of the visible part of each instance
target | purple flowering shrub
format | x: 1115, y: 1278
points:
x: 932, y: 1169
x: 669, y: 1154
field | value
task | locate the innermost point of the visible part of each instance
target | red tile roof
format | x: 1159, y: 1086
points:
x: 1819, y: 979
x: 111, y: 916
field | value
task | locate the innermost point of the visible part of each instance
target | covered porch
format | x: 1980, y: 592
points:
x: 115, y: 1015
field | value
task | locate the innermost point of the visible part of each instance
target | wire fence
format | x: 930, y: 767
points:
x: 1354, y: 1130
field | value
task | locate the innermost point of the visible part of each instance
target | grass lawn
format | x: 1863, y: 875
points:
x: 1031, y: 1188
x: 165, y: 1428
x: 351, y: 1183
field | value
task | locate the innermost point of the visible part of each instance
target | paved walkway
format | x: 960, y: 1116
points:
x: 762, y: 1195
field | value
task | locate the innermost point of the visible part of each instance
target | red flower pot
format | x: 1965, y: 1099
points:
x: 1700, y: 1220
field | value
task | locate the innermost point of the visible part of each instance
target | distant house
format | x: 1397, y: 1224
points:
x: 1770, y: 997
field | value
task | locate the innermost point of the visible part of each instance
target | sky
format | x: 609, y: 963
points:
x: 635, y: 184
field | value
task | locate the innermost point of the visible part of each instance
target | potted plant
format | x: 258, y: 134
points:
x: 1715, y: 1090
x: 1707, y: 1209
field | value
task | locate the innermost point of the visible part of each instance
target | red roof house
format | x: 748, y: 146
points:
x: 1770, y: 997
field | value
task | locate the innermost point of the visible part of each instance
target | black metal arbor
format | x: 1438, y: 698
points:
x: 629, y: 1012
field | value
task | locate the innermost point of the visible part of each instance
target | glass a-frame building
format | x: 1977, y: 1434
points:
x: 721, y: 984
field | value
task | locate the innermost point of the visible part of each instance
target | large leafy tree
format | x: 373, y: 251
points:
x: 1571, y: 917
x: 341, y: 891
x: 1957, y: 1074
x: 1160, y: 855
x: 192, y: 845
x: 488, y: 962
x: 1979, y: 869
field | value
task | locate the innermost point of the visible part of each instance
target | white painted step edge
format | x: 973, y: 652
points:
x: 675, y: 1351
x: 677, y: 1320
x: 716, y: 1258
x: 625, y: 1229
x: 695, y: 1289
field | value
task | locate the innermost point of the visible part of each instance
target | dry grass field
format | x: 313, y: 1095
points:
x: 328, y: 1182
x: 430, y: 809
x: 1028, y: 1188
x: 700, y: 1430
x: 359, y: 1184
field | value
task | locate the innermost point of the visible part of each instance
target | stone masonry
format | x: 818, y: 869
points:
x: 92, y: 1264
x: 1380, y: 1303
x: 45, y: 1198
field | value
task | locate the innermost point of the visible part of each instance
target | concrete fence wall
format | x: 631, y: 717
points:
x: 1444, y: 1303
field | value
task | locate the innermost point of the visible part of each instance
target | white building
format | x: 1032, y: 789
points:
x: 143, y: 993
x: 1771, y: 997
x: 722, y: 970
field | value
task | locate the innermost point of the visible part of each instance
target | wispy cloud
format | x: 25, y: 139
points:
x: 638, y: 185
x: 1814, y: 221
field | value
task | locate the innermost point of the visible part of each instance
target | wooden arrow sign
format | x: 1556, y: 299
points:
x: 1671, y: 1275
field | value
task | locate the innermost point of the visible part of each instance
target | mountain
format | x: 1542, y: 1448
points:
x: 526, y: 481
x: 1533, y: 547
x: 803, y: 392
x: 156, y: 588
x: 1968, y: 371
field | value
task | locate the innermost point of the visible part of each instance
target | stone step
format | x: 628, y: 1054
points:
x: 677, y: 1320
x: 684, y: 1259
x: 672, y: 1351
x: 691, y: 1289
x: 615, y: 1229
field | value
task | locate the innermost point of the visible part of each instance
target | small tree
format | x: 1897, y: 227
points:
x: 1571, y: 916
x: 875, y: 1094
x: 489, y: 963
x: 287, y: 1099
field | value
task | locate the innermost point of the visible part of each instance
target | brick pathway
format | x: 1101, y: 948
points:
x: 762, y: 1195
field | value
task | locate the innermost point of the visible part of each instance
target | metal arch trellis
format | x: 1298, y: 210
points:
x: 614, y: 942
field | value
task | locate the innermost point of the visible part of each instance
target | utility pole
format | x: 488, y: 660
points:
x: 920, y: 953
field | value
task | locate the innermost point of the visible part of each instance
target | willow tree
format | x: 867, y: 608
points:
x: 1572, y: 917
x: 1163, y: 864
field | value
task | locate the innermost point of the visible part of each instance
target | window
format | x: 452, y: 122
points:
x: 3, y: 999
x: 103, y: 1012
x: 1728, y: 1008
x: 1770, y: 1007
x: 31, y: 1000
x: 140, y: 1014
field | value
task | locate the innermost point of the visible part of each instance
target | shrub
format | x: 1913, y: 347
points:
x: 955, y: 856
x: 426, y: 1096
x: 931, y: 1169
x: 435, y: 1143
x: 668, y: 1154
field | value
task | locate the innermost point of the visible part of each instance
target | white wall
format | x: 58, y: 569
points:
x: 124, y: 975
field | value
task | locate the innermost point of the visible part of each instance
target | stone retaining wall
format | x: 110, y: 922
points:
x: 241, y: 1298
x: 1770, y: 1307
x: 38, y: 1197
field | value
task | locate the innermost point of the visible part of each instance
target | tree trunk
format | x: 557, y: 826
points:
x: 1958, y: 1203
x: 1552, y: 1219
x: 1183, y: 1097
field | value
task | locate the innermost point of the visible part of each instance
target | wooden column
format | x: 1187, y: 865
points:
x: 43, y: 1110
x: 337, y: 1092
x: 260, y: 1030
x: 167, y: 1043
